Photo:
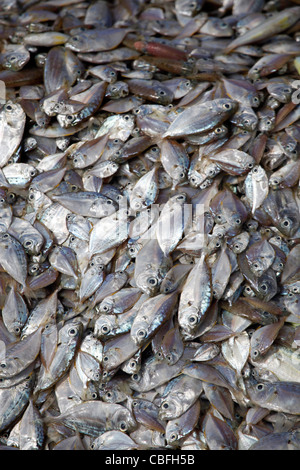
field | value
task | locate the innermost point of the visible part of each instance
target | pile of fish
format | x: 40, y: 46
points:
x: 149, y: 224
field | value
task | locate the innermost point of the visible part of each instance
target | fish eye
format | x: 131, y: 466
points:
x: 142, y: 333
x: 223, y: 25
x: 135, y: 377
x: 250, y: 165
x: 72, y: 331
x: 3, y: 365
x: 109, y: 202
x: 5, y: 236
x: 105, y: 358
x: 259, y: 387
x: 238, y: 221
x: 285, y: 223
x: 227, y: 106
x: 105, y: 329
x: 94, y: 396
x: 165, y: 405
x: 264, y: 287
x: 218, y: 244
x: 193, y: 319
x: 255, y: 353
x: 152, y: 281
x: 218, y: 130
x: 162, y: 92
x: 255, y: 99
x: 255, y: 170
x: 75, y: 38
x: 135, y: 403
x: 173, y: 437
x: 123, y: 426
x: 69, y: 117
x: 28, y: 243
x: 33, y: 269
x: 17, y: 330
x: 112, y: 73
x: 8, y: 107
x: 126, y: 117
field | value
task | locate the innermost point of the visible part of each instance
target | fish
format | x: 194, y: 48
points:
x: 67, y: 342
x: 96, y: 40
x: 278, y: 396
x: 201, y: 118
x: 12, y: 118
x: 194, y: 300
x: 151, y: 315
x: 90, y: 417
x: 274, y: 25
x: 14, y: 401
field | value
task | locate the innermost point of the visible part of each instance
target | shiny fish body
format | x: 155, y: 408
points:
x: 194, y: 301
x: 201, y: 118
x: 20, y: 354
x: 278, y: 23
x: 14, y: 400
x: 278, y: 396
x: 12, y: 123
x: 90, y: 417
x: 88, y: 204
x: 96, y: 40
x: 13, y: 258
x: 152, y: 314
x: 151, y: 267
x: 68, y: 339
